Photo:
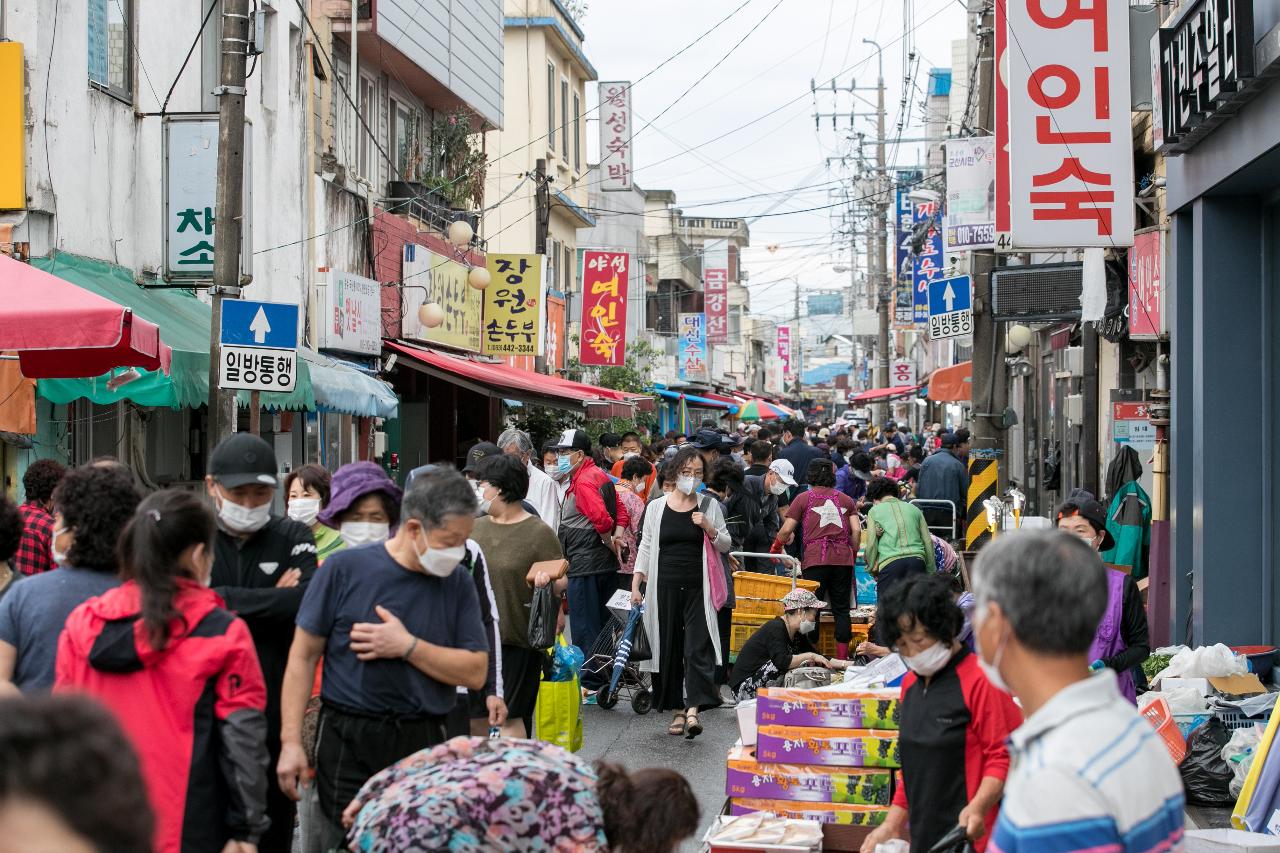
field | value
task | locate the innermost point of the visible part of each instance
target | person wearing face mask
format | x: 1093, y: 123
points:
x: 779, y: 646
x: 544, y: 494
x: 953, y: 723
x: 1086, y: 772
x: 306, y: 491
x: 770, y: 488
x: 512, y: 541
x: 1123, y: 639
x: 399, y: 626
x: 365, y: 504
x: 684, y: 592
x: 635, y: 474
x: 180, y: 673
x: 91, y: 506
x: 261, y: 568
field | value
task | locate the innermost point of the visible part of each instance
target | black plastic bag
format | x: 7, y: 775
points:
x: 1205, y: 775
x: 640, y: 648
x: 542, y: 618
x: 955, y: 841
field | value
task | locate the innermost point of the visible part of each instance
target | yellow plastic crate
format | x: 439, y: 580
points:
x: 758, y: 606
x: 745, y: 624
x: 774, y: 587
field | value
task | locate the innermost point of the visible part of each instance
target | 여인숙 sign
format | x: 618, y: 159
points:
x: 604, y: 308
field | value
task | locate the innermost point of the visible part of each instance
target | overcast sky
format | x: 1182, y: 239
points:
x: 768, y: 78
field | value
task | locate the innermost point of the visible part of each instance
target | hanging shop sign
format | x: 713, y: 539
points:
x: 191, y: 196
x: 1205, y: 60
x: 970, y: 212
x: 928, y: 262
x: 904, y: 286
x: 692, y: 336
x: 428, y: 277
x: 513, y: 305
x: 555, y: 332
x: 784, y: 349
x: 1144, y: 286
x: 604, y: 307
x: 352, y: 306
x: 1004, y: 241
x: 902, y: 374
x: 1070, y: 144
x: 615, y: 136
x: 1131, y: 425
x: 715, y: 285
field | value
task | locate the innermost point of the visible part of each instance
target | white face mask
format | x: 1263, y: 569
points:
x: 304, y: 510
x: 807, y: 626
x: 243, y: 519
x: 990, y: 670
x: 59, y: 557
x: 441, y: 561
x: 554, y: 472
x: 363, y: 532
x: 929, y: 661
x: 778, y: 488
x: 688, y: 485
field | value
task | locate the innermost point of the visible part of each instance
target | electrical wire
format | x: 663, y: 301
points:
x: 195, y: 43
x: 134, y: 44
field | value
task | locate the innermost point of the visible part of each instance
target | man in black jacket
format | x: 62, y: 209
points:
x: 261, y: 568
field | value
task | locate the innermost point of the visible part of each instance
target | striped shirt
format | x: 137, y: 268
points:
x: 1089, y: 774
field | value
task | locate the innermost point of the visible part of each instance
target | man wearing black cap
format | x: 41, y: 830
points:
x: 943, y: 477
x: 261, y: 568
x: 799, y: 453
x: 611, y: 447
x: 708, y: 442
x: 591, y: 521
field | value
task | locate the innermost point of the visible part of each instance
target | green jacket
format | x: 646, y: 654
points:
x: 896, y: 529
x: 1129, y: 522
x: 328, y: 541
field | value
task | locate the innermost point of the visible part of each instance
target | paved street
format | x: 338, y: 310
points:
x: 637, y: 741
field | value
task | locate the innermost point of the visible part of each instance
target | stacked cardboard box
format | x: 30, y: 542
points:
x: 826, y: 754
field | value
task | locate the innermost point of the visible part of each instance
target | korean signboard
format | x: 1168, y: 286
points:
x: 1004, y: 242
x: 928, y: 263
x: 513, y: 305
x: 190, y: 196
x: 1203, y: 60
x: 904, y: 286
x: 691, y: 337
x: 429, y: 277
x: 784, y: 349
x: 715, y: 285
x: 1144, y: 286
x: 352, y: 307
x: 258, y: 346
x: 902, y: 374
x: 1131, y: 425
x: 615, y: 136
x: 604, y: 307
x: 1070, y: 144
x: 555, y: 332
x: 971, y: 203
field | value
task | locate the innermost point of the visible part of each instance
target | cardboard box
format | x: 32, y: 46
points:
x: 1200, y: 685
x: 832, y: 709
x: 839, y: 813
x: 797, y: 836
x: 747, y: 777
x: 829, y: 747
x: 1229, y: 841
x: 1238, y: 685
x: 746, y: 712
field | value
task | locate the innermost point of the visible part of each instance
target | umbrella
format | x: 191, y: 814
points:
x: 683, y: 415
x: 759, y: 410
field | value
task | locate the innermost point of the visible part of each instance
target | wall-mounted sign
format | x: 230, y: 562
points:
x: 928, y: 264
x: 692, y: 338
x: 605, y: 279
x: 1204, y: 57
x: 191, y: 193
x: 429, y: 277
x: 784, y: 349
x: 902, y: 374
x: 970, y: 216
x: 352, y: 307
x: 615, y: 136
x: 1144, y: 286
x: 513, y: 305
x: 715, y: 286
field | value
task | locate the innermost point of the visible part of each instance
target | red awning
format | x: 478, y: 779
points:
x: 506, y: 382
x: 61, y: 331
x: 874, y: 394
x: 952, y: 384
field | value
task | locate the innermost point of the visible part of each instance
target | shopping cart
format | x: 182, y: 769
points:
x: 941, y: 516
x: 611, y: 664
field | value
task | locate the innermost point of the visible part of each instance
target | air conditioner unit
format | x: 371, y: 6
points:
x: 1073, y: 360
x: 1073, y: 408
x: 1037, y: 293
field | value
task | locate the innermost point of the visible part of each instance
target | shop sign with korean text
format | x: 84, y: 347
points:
x: 258, y: 346
x: 615, y: 136
x: 1144, y: 286
x: 605, y: 276
x: 928, y: 264
x: 191, y: 193
x: 352, y: 306
x: 429, y: 277
x: 692, y: 340
x: 1004, y: 241
x: 1070, y: 143
x: 902, y: 374
x: 555, y: 332
x: 1131, y: 425
x: 784, y: 349
x: 904, y: 286
x: 513, y: 305
x: 715, y: 286
x: 970, y: 218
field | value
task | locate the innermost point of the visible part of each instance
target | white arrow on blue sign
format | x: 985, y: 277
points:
x: 950, y: 307
x: 259, y: 324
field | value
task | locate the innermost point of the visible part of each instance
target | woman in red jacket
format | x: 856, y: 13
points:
x: 180, y: 673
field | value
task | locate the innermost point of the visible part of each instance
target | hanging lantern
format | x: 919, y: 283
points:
x: 460, y: 233
x: 478, y: 278
x: 431, y: 315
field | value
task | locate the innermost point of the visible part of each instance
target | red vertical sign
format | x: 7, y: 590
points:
x: 1144, y: 285
x: 604, y: 308
x: 554, y: 306
x: 715, y: 283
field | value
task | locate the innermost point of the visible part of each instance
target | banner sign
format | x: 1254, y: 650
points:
x: 1004, y: 242
x: 692, y: 336
x: 970, y: 214
x: 902, y: 374
x: 352, y: 320
x: 715, y: 285
x: 555, y: 332
x: 928, y: 263
x: 513, y: 305
x: 191, y: 197
x: 1070, y: 144
x: 615, y: 136
x: 784, y: 349
x: 605, y: 276
x: 904, y: 287
x: 435, y: 278
x: 1131, y: 425
x: 1144, y: 286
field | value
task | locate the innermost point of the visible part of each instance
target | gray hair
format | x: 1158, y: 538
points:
x: 518, y: 437
x: 436, y: 495
x: 1051, y: 586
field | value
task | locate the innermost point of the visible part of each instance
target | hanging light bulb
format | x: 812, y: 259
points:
x: 478, y: 278
x: 431, y: 315
x: 460, y: 233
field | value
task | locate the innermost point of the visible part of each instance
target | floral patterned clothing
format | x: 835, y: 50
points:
x: 473, y: 794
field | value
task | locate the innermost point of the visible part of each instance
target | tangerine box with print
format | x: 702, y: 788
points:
x: 747, y: 777
x: 837, y: 813
x: 830, y: 747
x: 832, y: 709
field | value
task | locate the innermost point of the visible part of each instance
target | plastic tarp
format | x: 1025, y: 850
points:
x: 952, y: 384
x: 697, y: 400
x: 340, y: 387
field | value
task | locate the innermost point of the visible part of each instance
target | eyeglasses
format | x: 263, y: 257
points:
x: 691, y: 472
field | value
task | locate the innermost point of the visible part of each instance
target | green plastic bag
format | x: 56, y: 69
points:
x: 557, y: 718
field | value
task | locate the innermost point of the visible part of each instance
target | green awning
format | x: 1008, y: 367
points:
x: 184, y: 325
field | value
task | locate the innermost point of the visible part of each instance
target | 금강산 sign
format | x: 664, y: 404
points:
x: 1070, y: 144
x: 715, y: 286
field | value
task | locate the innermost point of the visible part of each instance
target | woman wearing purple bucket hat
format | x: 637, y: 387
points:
x: 364, y: 504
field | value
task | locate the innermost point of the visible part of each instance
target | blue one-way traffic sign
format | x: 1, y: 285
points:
x: 259, y: 324
x: 950, y: 307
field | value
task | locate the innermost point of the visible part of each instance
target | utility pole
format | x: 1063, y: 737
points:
x: 542, y: 221
x: 229, y: 212
x: 880, y: 223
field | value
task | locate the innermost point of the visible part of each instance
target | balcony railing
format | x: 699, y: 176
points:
x: 430, y: 208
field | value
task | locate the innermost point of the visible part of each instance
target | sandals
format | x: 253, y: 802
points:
x: 693, y: 727
x: 677, y: 725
